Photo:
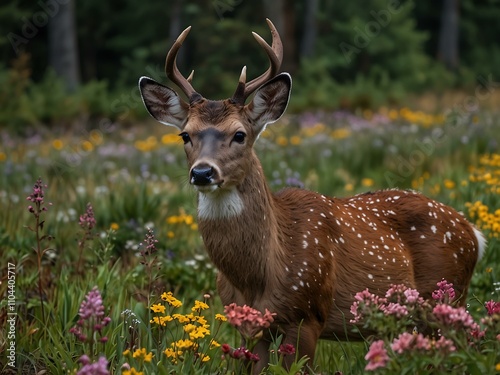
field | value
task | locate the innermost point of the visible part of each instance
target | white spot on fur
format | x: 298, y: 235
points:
x: 434, y: 229
x: 219, y: 204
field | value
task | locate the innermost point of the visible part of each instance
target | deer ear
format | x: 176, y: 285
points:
x: 270, y: 101
x: 163, y: 103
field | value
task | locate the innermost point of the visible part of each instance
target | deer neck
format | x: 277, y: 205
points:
x: 240, y: 230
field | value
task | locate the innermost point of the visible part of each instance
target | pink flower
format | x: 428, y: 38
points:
x: 377, y: 356
x: 248, y: 320
x: 286, y: 349
x: 445, y: 345
x: 421, y: 342
x: 402, y: 343
x: 394, y: 309
x: 364, y: 304
x: 413, y: 296
x: 240, y: 353
x: 445, y: 292
x: 395, y: 292
x: 406, y: 342
x: 457, y: 318
x: 492, y: 307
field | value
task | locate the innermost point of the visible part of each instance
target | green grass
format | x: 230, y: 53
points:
x: 135, y: 185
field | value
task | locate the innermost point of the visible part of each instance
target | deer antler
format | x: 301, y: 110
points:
x: 173, y: 72
x: 275, y: 54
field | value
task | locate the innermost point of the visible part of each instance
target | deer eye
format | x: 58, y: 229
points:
x: 185, y: 137
x: 239, y: 137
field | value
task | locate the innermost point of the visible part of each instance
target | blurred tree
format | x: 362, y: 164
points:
x: 63, y: 47
x: 448, y: 34
x: 310, y: 29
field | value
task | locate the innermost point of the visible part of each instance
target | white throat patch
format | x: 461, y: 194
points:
x: 219, y: 204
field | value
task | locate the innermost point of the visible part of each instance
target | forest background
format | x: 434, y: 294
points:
x: 63, y: 61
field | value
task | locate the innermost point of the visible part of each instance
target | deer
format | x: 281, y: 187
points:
x: 298, y: 253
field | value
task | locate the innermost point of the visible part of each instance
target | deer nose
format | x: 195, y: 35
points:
x: 202, y: 175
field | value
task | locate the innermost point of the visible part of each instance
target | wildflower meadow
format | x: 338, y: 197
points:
x: 103, y: 270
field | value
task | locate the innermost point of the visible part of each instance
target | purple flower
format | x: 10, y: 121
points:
x: 150, y: 242
x: 97, y: 368
x: 87, y: 220
x: 92, y: 317
x: 36, y: 197
x: 92, y: 305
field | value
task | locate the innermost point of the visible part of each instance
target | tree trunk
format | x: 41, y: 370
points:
x: 63, y: 47
x: 448, y: 34
x: 310, y: 29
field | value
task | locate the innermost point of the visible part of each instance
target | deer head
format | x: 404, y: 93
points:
x: 218, y: 135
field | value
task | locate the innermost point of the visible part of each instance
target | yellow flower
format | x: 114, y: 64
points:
x: 169, y: 139
x: 489, y: 270
x: 194, y: 226
x: 497, y: 367
x: 221, y: 317
x: 349, y: 187
x: 341, y: 133
x: 367, y: 182
x: 188, y: 219
x: 158, y: 308
x: 114, y: 226
x: 181, y: 318
x: 200, y: 320
x: 214, y: 344
x: 204, y: 357
x: 449, y: 184
x: 183, y: 344
x: 96, y: 137
x: 87, y: 146
x: 198, y: 306
x: 57, y: 144
x: 126, y: 352
x: 189, y: 327
x: 161, y: 320
x: 132, y: 371
x: 172, y: 219
x: 140, y: 354
x: 282, y: 141
x: 170, y: 234
x: 199, y: 333
x: 295, y: 140
x: 169, y: 352
x: 171, y: 300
